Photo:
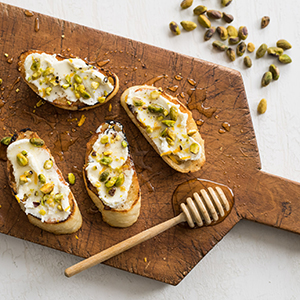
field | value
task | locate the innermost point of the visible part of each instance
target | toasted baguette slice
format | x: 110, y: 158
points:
x: 161, y: 131
x: 55, y: 211
x: 118, y: 203
x: 54, y: 85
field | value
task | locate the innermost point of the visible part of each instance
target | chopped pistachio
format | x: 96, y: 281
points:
x: 174, y: 113
x: 65, y: 86
x: 105, y: 93
x: 120, y: 180
x: 154, y: 95
x: 42, y: 178
x: 36, y: 75
x: 101, y: 99
x: 106, y: 160
x: 194, y: 148
x: 95, y: 84
x: 68, y: 79
x: 22, y: 159
x: 155, y: 109
x: 104, y: 139
x: 149, y: 129
x: 124, y: 144
x: 169, y: 123
x: 48, y: 71
x: 58, y: 197
x: 104, y: 176
x: 159, y: 118
x: 111, y: 182
x: 48, y: 164
x: 48, y: 90
x: 23, y: 179
x: 77, y: 79
x: 191, y: 132
x: 47, y: 188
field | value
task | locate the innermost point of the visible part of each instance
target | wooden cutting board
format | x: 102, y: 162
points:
x: 217, y: 98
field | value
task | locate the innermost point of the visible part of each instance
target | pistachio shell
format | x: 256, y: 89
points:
x: 200, y: 9
x: 186, y: 3
x: 283, y: 44
x: 204, y: 21
x: 261, y: 50
x: 266, y: 79
x: 188, y: 25
x: 275, y: 71
x: 209, y: 33
x: 174, y: 28
x: 265, y: 21
x: 262, y: 106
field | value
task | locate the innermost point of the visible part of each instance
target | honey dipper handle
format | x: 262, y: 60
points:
x: 271, y: 200
x: 123, y: 246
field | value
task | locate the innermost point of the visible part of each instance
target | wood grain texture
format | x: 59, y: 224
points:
x: 232, y: 157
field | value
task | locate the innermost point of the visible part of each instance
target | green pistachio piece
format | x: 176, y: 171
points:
x: 283, y: 44
x: 48, y: 90
x: 104, y: 139
x: 106, y: 160
x: 111, y: 182
x: 275, y: 51
x: 164, y: 132
x: 23, y: 179
x: 174, y: 113
x: 169, y: 123
x: 262, y: 106
x: 247, y: 62
x: 137, y: 102
x: 104, y: 175
x: 209, y: 33
x: 68, y: 79
x: 149, y: 129
x: 58, y: 197
x: 71, y: 178
x: 275, y: 71
x: 191, y: 132
x: 285, y: 59
x: 37, y: 142
x: 200, y: 9
x: 101, y: 99
x: 36, y: 75
x: 124, y: 144
x: 65, y: 86
x: 48, y: 164
x: 188, y: 25
x: 186, y: 3
x: 35, y: 64
x: 261, y: 50
x: 204, y: 21
x: 243, y: 32
x: 220, y: 46
x: 77, y: 79
x: 266, y: 79
x: 6, y: 140
x: 42, y: 178
x: 159, y: 118
x: 48, y: 71
x: 155, y: 109
x: 120, y: 180
x: 240, y: 49
x: 194, y: 148
x: 170, y: 133
x: 231, y: 54
x: 154, y: 94
x: 22, y: 159
x: 47, y: 188
x: 170, y: 141
x: 95, y: 84
x: 174, y: 28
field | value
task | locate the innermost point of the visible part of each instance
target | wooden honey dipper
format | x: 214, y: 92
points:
x: 209, y: 207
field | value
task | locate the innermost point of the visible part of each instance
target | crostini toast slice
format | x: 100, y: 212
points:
x: 68, y: 83
x: 110, y: 177
x: 167, y: 125
x: 39, y: 187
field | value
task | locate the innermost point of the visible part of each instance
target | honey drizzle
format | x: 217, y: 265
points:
x: 155, y: 79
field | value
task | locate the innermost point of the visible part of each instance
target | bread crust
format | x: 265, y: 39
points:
x: 62, y: 102
x: 190, y: 166
x: 67, y: 226
x: 119, y: 217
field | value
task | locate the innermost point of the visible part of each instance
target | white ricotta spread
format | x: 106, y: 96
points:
x: 180, y: 145
x: 28, y: 193
x: 112, y: 146
x: 71, y: 78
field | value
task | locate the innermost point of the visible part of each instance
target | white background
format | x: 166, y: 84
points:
x: 252, y: 261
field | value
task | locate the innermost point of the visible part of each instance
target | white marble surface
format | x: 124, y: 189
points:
x: 252, y: 261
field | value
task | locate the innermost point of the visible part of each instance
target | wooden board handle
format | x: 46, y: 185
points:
x: 271, y: 200
x: 123, y: 246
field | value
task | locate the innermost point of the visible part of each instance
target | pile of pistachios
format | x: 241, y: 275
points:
x: 235, y: 37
